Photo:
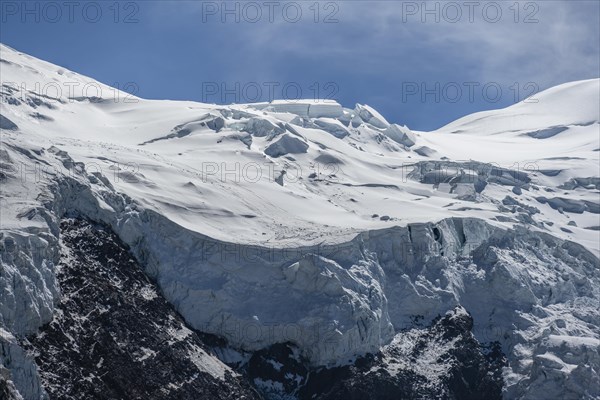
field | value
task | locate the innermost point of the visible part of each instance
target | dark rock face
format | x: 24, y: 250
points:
x: 456, y: 368
x: 114, y: 336
x: 278, y: 371
x: 443, y: 361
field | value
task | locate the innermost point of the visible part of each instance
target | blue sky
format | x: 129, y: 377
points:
x: 406, y: 59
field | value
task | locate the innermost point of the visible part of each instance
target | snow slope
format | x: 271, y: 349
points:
x: 369, y: 167
x: 313, y: 217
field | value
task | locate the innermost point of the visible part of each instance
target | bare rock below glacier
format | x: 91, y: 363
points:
x: 443, y: 361
x: 115, y: 336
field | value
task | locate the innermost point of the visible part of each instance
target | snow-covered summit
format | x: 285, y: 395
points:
x: 554, y: 107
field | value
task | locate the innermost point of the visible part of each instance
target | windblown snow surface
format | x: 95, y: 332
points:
x: 327, y: 228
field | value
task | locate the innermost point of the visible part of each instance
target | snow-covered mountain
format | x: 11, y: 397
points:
x: 301, y: 246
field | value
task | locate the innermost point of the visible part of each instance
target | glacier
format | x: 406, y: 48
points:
x: 307, y: 223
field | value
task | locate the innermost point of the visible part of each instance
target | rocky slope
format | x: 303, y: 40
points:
x: 113, y: 335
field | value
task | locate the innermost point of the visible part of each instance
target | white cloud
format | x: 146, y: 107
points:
x: 379, y: 38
